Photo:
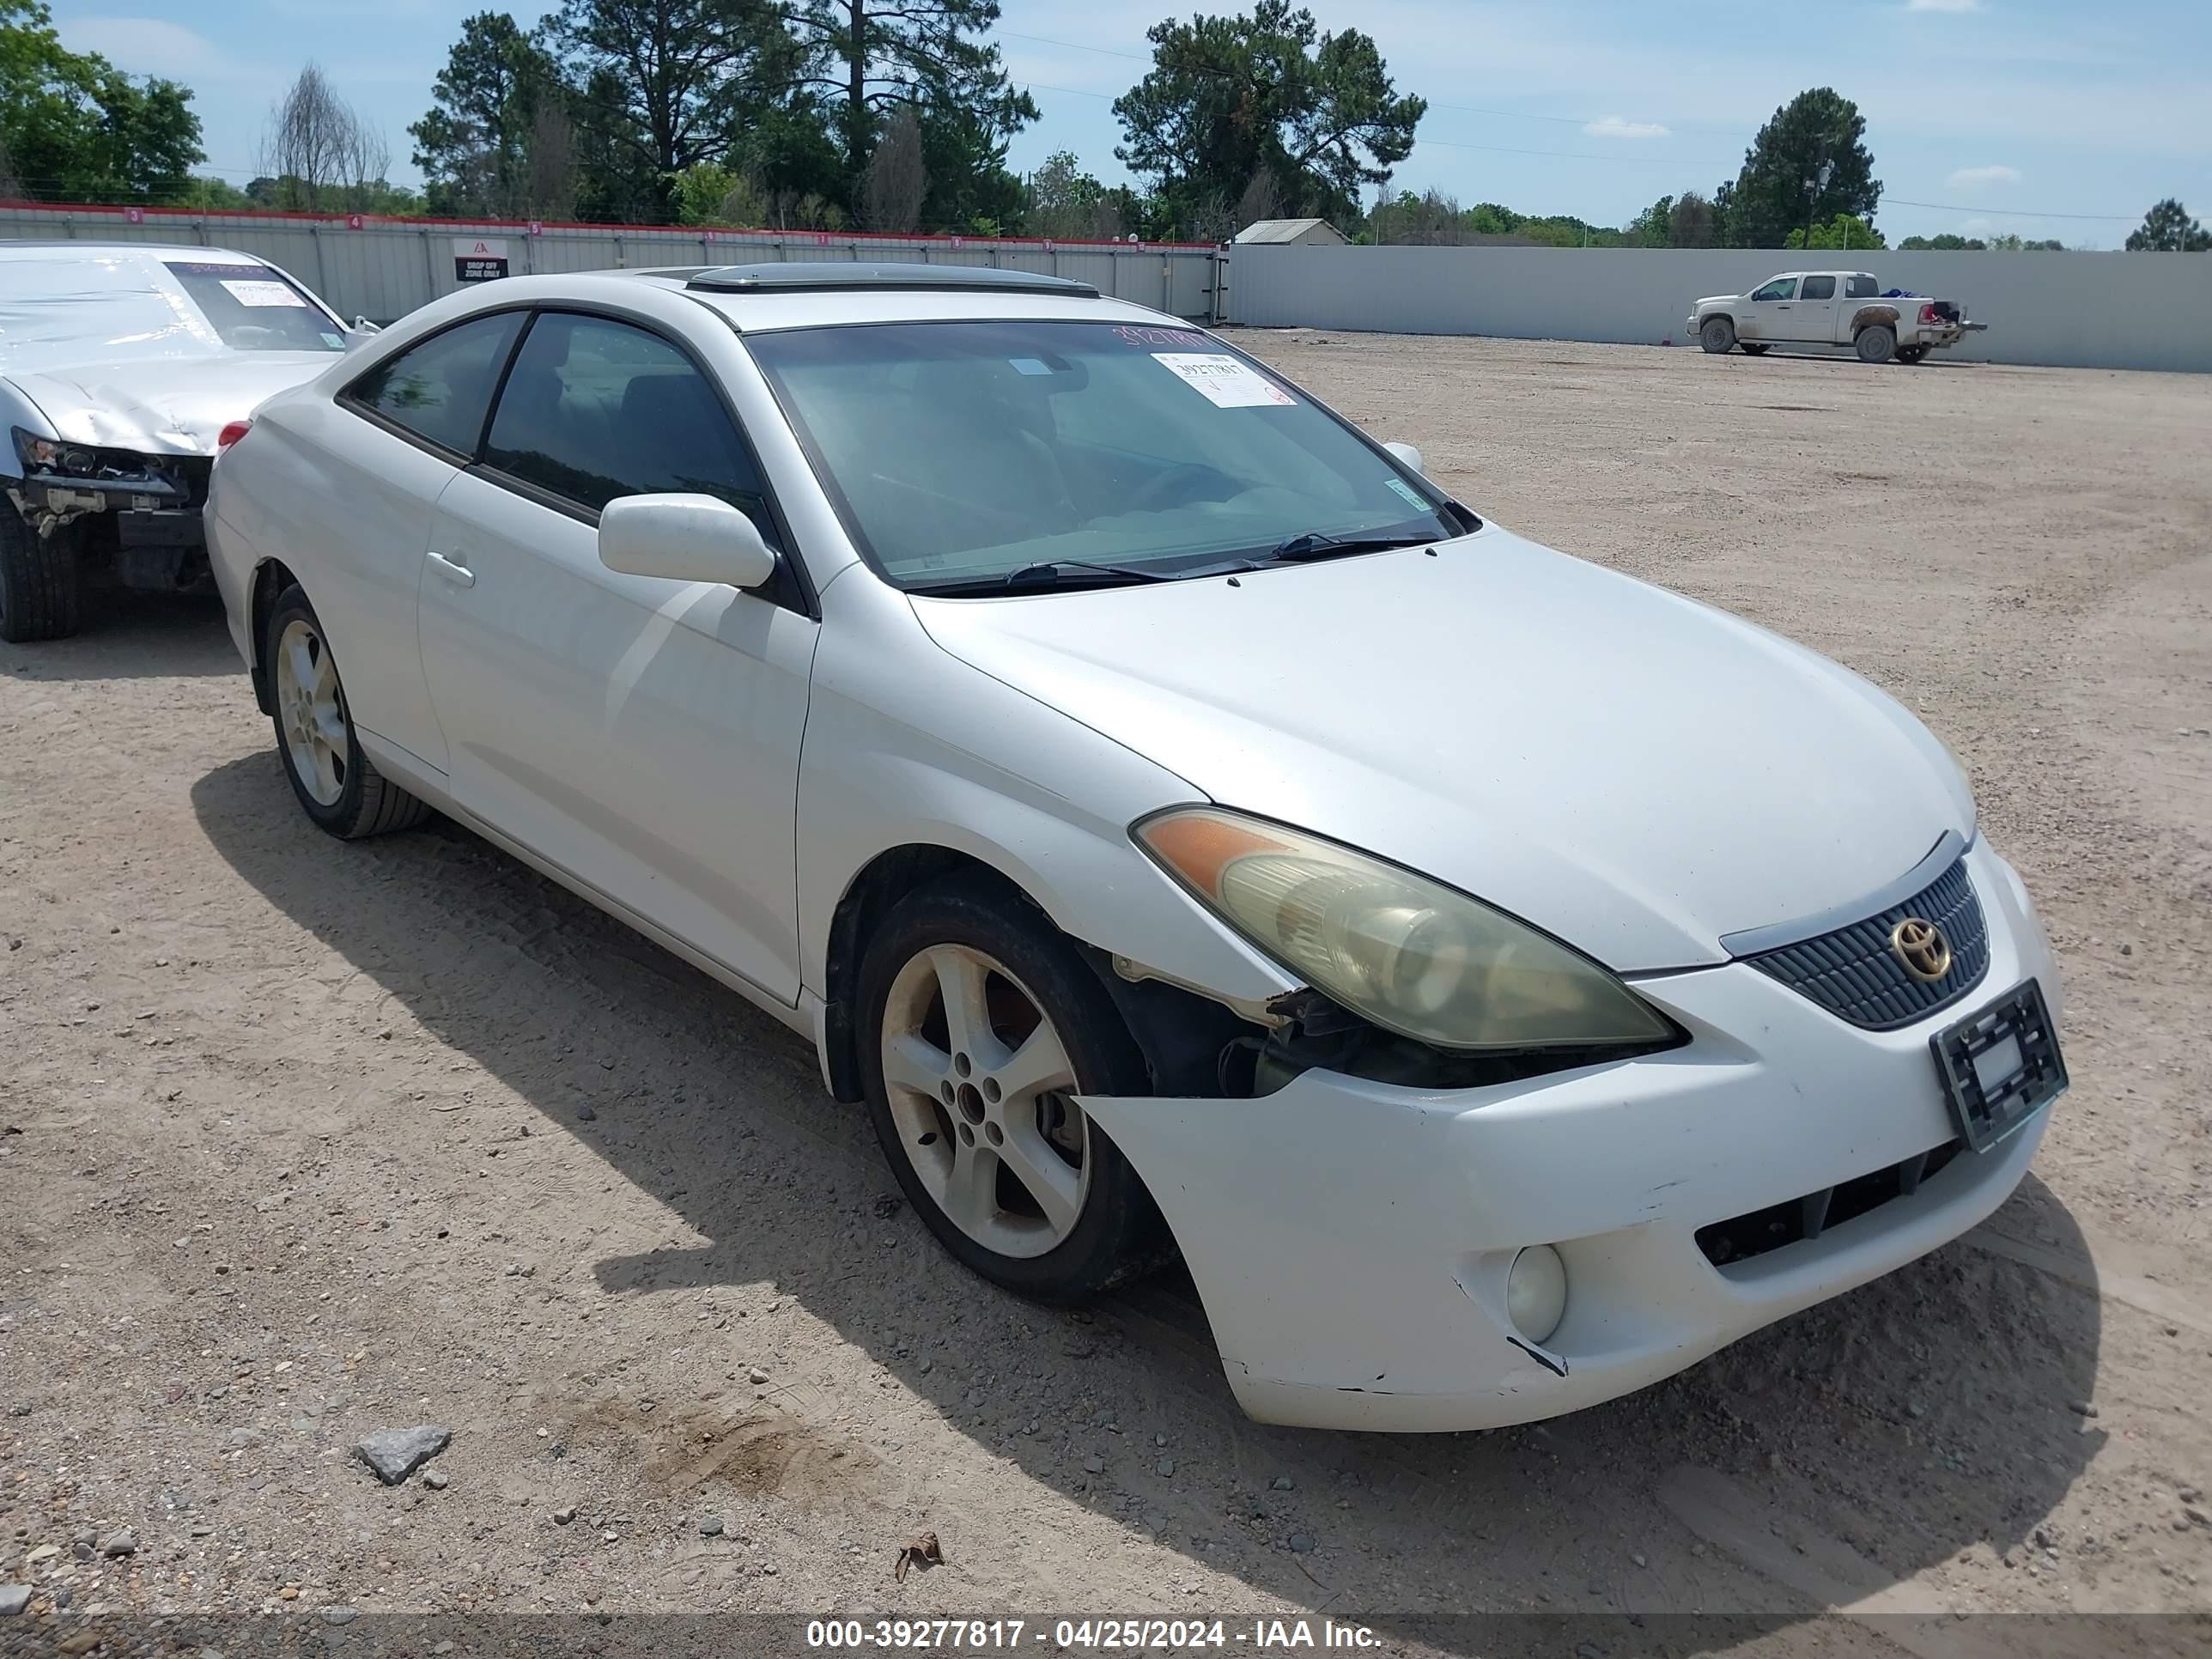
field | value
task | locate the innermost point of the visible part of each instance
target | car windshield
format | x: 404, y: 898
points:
x: 964, y: 452
x: 254, y: 308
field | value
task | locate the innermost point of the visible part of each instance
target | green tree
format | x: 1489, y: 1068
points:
x: 1693, y: 223
x: 74, y: 127
x: 666, y: 84
x: 212, y: 195
x: 2167, y: 229
x: 1779, y: 190
x: 1846, y: 233
x: 964, y: 156
x: 1230, y: 98
x: 1060, y: 201
x: 475, y: 143
x: 1945, y: 243
x: 876, y: 55
x: 1655, y: 225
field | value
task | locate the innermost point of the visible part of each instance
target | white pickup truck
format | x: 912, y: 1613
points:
x: 1829, y: 308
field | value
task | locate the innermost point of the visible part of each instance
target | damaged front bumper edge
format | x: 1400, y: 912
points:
x: 1350, y: 1239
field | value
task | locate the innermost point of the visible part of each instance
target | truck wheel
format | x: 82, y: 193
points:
x: 1911, y: 354
x: 38, y: 581
x: 1719, y: 335
x: 1876, y: 343
x: 1753, y: 348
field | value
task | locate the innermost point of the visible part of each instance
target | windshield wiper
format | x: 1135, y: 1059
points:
x: 1053, y: 572
x: 1318, y: 544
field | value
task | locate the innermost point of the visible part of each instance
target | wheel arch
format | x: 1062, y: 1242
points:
x: 1179, y: 1032
x: 1867, y: 316
x: 270, y: 578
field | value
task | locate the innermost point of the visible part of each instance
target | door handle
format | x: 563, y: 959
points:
x: 452, y: 570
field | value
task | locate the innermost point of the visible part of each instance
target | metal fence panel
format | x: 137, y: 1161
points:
x: 383, y: 268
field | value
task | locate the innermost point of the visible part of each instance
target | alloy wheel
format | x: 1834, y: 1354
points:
x: 310, y: 705
x: 981, y: 1089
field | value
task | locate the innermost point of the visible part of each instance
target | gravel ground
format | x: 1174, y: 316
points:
x: 303, y: 1140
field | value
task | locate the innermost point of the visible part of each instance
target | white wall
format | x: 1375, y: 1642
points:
x: 2078, y: 310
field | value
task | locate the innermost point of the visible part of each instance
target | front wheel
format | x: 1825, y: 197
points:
x: 1876, y: 343
x: 980, y: 1028
x: 1719, y: 335
x: 39, y: 581
x: 339, y: 786
x: 1754, y: 348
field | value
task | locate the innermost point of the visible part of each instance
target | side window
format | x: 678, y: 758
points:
x: 1858, y: 288
x: 595, y: 409
x: 442, y: 389
x: 1819, y: 288
x: 1782, y: 288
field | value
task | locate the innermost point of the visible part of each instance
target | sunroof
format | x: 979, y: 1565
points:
x: 801, y: 276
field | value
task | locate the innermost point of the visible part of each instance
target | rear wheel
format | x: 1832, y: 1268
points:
x: 982, y: 1026
x: 1719, y: 335
x: 39, y: 581
x: 339, y: 786
x: 1876, y: 343
x: 1754, y: 348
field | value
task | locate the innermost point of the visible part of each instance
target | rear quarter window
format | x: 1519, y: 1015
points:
x: 441, y: 388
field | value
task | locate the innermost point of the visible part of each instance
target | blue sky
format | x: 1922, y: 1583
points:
x: 2002, y: 114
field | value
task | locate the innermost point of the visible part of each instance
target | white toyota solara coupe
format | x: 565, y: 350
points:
x: 1185, y: 826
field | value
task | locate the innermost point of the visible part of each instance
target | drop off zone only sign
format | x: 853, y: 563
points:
x: 479, y: 258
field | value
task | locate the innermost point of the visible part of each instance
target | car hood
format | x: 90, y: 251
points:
x: 166, y: 406
x: 1637, y: 773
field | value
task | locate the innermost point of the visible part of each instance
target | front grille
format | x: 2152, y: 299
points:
x: 1852, y: 973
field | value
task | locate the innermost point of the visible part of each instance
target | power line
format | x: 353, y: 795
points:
x: 2009, y: 213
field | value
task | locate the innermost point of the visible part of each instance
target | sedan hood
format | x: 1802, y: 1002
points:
x: 1637, y: 773
x: 165, y: 406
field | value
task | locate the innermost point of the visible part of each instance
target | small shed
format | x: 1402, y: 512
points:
x: 1301, y: 233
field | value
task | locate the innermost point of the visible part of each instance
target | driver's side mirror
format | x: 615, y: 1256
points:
x: 1409, y: 455
x: 685, y: 538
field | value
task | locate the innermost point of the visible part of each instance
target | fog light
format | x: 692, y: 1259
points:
x: 1536, y: 1292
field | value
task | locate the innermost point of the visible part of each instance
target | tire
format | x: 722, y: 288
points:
x: 39, y: 581
x: 950, y: 1125
x: 1753, y: 348
x: 1911, y: 354
x: 1717, y: 335
x: 1876, y: 342
x: 339, y: 786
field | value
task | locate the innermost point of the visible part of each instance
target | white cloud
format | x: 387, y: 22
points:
x: 1612, y: 126
x: 1982, y: 178
x: 144, y: 46
x: 1943, y: 5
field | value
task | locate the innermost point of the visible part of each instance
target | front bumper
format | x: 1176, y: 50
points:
x: 1350, y: 1239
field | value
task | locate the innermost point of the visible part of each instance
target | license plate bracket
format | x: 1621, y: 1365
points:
x: 2000, y: 1065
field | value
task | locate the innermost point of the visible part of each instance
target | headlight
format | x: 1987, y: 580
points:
x: 1398, y: 949
x: 50, y: 455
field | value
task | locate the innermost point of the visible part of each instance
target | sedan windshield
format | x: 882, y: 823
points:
x: 962, y: 454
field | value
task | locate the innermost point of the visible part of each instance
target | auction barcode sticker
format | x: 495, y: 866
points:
x: 1227, y: 383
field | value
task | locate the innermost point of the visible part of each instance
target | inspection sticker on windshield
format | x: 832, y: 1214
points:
x: 1226, y: 383
x: 264, y: 293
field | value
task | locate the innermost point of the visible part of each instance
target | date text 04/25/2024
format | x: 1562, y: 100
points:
x: 1068, y: 1635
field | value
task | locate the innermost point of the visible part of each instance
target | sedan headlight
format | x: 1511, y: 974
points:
x: 1400, y: 950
